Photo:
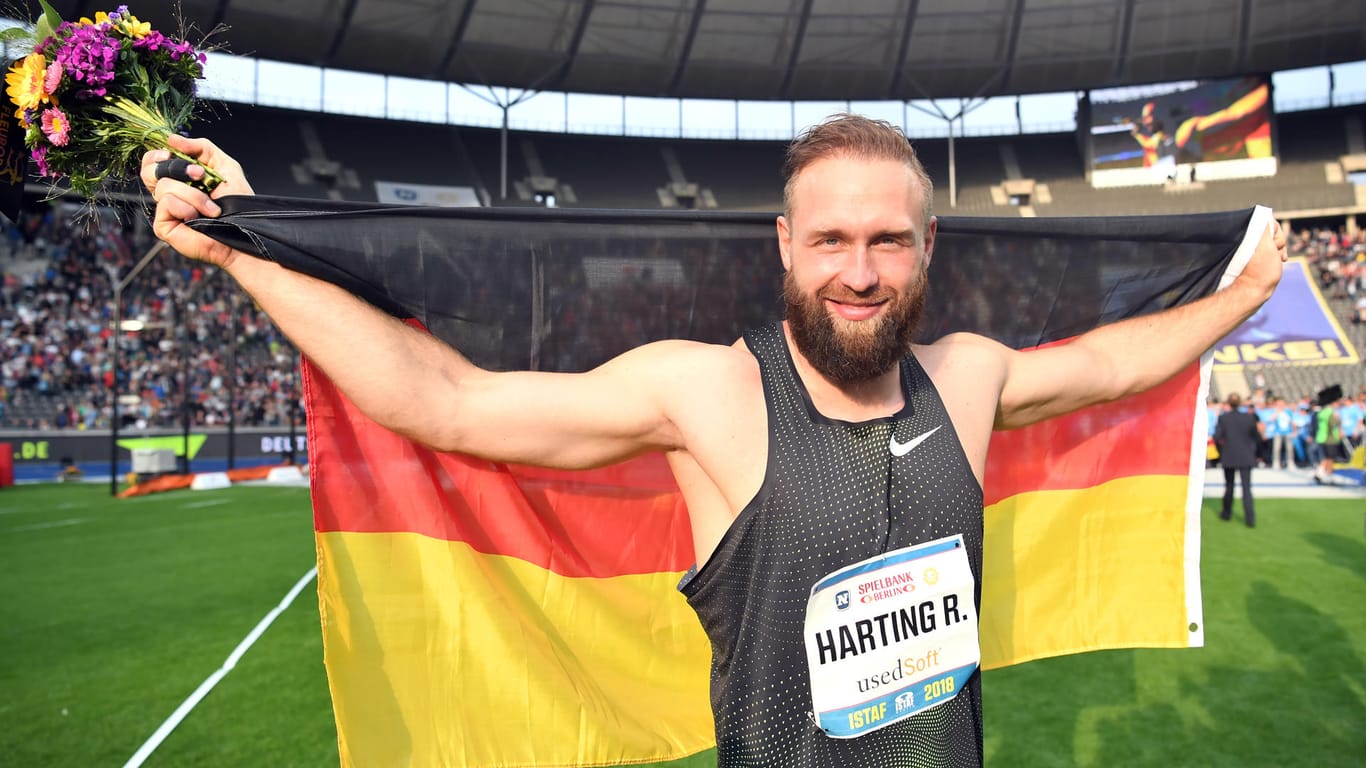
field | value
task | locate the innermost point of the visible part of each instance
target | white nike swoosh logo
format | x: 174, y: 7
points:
x: 901, y: 449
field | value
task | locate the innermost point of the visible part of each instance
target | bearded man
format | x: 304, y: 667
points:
x: 831, y: 468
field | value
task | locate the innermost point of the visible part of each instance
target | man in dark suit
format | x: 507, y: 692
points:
x: 1238, y: 434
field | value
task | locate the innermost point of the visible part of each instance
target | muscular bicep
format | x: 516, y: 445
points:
x: 1043, y: 383
x: 567, y: 420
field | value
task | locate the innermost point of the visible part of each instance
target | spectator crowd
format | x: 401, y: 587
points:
x: 57, y: 312
x: 1304, y: 431
x: 1339, y: 260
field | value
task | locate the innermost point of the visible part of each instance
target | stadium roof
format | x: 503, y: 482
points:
x: 788, y: 49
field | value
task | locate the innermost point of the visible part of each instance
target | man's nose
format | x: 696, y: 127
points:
x: 859, y: 273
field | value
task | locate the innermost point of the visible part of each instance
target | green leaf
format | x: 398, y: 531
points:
x: 47, y: 23
x: 42, y: 30
x: 50, y: 15
x: 16, y: 35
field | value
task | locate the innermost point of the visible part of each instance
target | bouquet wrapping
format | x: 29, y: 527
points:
x: 96, y: 93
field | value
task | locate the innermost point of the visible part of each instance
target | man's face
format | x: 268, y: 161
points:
x: 856, y: 254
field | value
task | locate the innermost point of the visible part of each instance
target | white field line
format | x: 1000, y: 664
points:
x: 204, y: 503
x: 14, y: 510
x: 53, y: 524
x: 64, y: 506
x: 189, y: 704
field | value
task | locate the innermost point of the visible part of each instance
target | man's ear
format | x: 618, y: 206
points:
x: 785, y: 243
x: 930, y: 233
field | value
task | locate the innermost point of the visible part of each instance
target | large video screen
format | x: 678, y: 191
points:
x: 1161, y: 127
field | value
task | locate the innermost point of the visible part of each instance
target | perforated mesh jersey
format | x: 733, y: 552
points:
x: 833, y: 495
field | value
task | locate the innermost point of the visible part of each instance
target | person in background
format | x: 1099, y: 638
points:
x: 1238, y: 434
x: 1328, y: 439
x: 1282, y: 432
x: 1302, y: 421
x: 1264, y: 408
x: 1213, y: 409
x: 1350, y: 413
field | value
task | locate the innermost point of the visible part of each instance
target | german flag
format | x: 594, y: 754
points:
x: 1091, y: 529
x: 480, y: 614
x: 483, y: 614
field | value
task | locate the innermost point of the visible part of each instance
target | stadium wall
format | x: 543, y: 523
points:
x: 42, y: 455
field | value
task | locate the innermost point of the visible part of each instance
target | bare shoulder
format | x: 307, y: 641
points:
x: 696, y: 380
x: 966, y: 366
x: 717, y: 405
x: 963, y: 351
x: 695, y: 362
x: 969, y: 372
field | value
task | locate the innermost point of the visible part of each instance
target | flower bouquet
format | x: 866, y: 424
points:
x: 95, y: 94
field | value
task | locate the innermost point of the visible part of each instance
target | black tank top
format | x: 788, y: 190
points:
x: 833, y: 494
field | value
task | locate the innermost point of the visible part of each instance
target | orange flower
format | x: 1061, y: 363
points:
x: 25, y: 83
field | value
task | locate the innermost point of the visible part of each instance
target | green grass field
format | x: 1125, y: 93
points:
x: 113, y: 612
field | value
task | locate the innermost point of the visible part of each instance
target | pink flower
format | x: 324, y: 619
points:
x: 53, y: 77
x: 56, y: 126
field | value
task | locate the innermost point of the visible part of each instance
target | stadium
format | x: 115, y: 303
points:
x: 124, y: 361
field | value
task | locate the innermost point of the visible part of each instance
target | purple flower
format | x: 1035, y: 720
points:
x: 89, y: 56
x: 39, y: 155
x: 151, y: 42
x: 156, y: 42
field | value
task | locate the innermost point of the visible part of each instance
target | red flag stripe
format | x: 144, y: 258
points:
x: 377, y: 481
x: 1095, y: 445
x: 621, y: 514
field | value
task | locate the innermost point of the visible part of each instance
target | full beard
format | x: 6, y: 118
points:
x: 848, y: 352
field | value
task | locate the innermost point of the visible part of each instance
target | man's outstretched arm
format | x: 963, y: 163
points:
x: 1242, y: 107
x: 1134, y: 355
x: 416, y: 384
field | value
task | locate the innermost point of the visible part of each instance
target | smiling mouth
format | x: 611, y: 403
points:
x: 855, y: 311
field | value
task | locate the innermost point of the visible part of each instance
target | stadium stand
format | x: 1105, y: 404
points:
x: 1338, y: 260
x: 593, y: 171
x: 232, y: 125
x: 56, y: 311
x: 742, y: 176
x: 318, y: 155
x: 57, y: 298
x: 1048, y: 157
x: 412, y: 153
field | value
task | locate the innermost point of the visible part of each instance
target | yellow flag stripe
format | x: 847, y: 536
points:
x: 1082, y: 570
x: 447, y: 656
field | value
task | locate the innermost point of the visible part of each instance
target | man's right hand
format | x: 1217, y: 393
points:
x: 178, y: 202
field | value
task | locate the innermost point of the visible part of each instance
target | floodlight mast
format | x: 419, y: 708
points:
x: 964, y: 107
x: 119, y: 284
x: 504, y: 103
x: 182, y: 305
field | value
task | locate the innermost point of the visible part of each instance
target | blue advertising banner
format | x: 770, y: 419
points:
x: 1295, y: 327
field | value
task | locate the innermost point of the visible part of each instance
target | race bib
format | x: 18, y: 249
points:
x: 891, y: 636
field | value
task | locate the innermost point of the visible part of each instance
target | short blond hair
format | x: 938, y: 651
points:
x: 858, y: 137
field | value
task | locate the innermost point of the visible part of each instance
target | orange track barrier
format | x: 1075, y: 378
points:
x: 177, y: 482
